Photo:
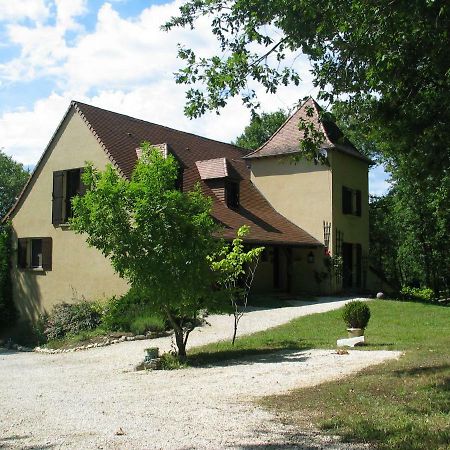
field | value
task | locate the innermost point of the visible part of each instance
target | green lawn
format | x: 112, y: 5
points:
x: 401, y: 404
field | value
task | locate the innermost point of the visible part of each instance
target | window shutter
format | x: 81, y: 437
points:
x: 358, y: 203
x: 22, y: 253
x: 57, y: 197
x: 358, y: 265
x: 82, y: 188
x: 346, y: 200
x: 47, y: 253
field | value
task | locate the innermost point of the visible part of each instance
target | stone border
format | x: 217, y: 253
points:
x: 107, y: 342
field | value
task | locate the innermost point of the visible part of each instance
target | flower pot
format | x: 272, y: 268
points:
x: 355, y: 332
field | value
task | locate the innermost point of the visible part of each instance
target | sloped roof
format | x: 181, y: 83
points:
x: 287, y: 138
x: 121, y: 135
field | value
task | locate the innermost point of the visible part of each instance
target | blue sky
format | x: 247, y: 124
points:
x: 113, y: 55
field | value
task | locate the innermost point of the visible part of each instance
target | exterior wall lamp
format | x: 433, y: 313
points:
x: 310, y: 258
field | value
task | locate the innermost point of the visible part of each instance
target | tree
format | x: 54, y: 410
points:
x: 236, y: 268
x: 157, y: 237
x: 384, y: 65
x: 8, y: 312
x: 260, y: 129
x: 12, y: 179
x: 390, y: 61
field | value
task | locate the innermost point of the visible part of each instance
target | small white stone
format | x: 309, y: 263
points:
x: 350, y: 342
x: 380, y: 295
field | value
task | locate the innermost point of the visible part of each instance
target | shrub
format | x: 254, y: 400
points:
x: 170, y: 361
x: 146, y: 323
x: 67, y: 318
x: 132, y: 312
x: 8, y: 313
x: 356, y: 314
x: 419, y: 294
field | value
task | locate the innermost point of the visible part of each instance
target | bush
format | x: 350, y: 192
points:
x: 146, y: 323
x: 8, y: 313
x: 73, y: 318
x: 131, y: 312
x: 356, y: 314
x: 419, y: 294
x: 170, y: 361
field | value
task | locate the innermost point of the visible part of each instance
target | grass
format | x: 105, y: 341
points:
x: 402, y: 404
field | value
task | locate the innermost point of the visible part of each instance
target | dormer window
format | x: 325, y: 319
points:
x: 232, y: 194
x: 222, y: 178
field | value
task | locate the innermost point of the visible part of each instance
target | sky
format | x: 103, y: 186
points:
x: 111, y: 54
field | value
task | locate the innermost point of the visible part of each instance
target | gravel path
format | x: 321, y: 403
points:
x: 84, y: 400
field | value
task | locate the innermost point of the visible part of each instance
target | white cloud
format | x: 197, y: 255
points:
x: 16, y: 10
x: 128, y: 63
x: 25, y: 133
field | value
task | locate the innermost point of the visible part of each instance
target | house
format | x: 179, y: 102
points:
x: 301, y: 212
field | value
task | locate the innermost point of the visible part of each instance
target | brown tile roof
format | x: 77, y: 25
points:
x: 287, y: 137
x: 200, y: 158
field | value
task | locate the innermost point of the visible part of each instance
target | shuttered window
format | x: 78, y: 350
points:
x: 66, y: 185
x: 34, y: 253
x: 351, y: 201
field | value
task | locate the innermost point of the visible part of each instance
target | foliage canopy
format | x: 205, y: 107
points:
x: 157, y: 237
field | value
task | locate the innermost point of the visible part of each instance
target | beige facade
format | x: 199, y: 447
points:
x: 296, y: 259
x: 77, y: 270
x: 310, y: 195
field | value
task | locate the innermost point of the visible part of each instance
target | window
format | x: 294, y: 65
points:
x: 66, y: 185
x: 351, y: 201
x: 34, y: 253
x: 232, y: 194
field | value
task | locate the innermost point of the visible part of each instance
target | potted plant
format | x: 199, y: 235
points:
x: 356, y: 315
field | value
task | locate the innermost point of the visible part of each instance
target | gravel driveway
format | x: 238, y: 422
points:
x: 95, y: 400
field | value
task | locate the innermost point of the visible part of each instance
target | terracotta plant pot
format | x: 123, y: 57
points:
x: 355, y: 332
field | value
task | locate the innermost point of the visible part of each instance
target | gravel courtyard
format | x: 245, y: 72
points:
x: 95, y: 400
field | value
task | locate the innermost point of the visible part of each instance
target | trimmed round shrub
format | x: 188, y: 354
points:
x: 356, y: 314
x: 72, y: 318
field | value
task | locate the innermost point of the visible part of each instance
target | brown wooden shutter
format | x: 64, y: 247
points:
x: 47, y: 253
x: 57, y: 197
x: 22, y: 253
x: 358, y: 203
x: 82, y: 187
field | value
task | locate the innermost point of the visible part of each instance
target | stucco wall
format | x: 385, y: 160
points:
x: 352, y: 173
x: 302, y: 192
x: 77, y: 270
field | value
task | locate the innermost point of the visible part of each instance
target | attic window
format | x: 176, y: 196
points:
x: 66, y: 185
x: 232, y: 194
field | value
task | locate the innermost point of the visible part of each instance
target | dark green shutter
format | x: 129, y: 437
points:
x: 358, y: 203
x: 57, y: 197
x: 47, y: 253
x: 346, y: 200
x: 358, y: 265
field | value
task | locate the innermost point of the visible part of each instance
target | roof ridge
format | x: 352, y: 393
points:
x: 281, y: 126
x: 99, y: 140
x: 159, y: 125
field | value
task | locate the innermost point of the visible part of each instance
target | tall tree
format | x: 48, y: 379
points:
x: 12, y: 179
x: 261, y: 128
x: 386, y: 64
x: 157, y: 237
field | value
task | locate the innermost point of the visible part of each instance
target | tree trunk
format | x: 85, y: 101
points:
x: 236, y: 321
x: 179, y: 335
